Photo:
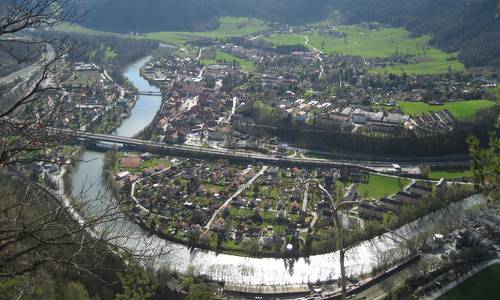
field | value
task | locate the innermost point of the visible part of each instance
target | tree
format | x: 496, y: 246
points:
x: 76, y: 291
x: 200, y: 294
x: 39, y: 228
x: 137, y: 285
x: 486, y: 165
x: 256, y: 190
x: 337, y: 205
x: 250, y: 247
x: 21, y: 132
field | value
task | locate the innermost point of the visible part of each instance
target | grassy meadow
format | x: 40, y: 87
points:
x: 378, y: 186
x: 449, y: 174
x: 379, y: 43
x: 228, y: 27
x: 462, y: 110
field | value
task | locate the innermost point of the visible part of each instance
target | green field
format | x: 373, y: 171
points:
x: 453, y: 174
x: 224, y: 56
x: 286, y: 39
x: 483, y: 285
x: 378, y: 186
x: 462, y: 110
x: 436, y: 62
x: 381, y: 43
x: 228, y: 27
x: 71, y: 28
x: 110, y: 54
x: 381, y: 186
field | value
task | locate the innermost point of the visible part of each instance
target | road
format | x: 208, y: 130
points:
x: 382, y: 289
x: 200, y: 53
x: 319, y: 53
x: 306, y: 196
x: 312, y: 47
x: 194, y: 151
x: 200, y: 152
x: 236, y: 194
x: 233, y: 109
x: 27, y: 72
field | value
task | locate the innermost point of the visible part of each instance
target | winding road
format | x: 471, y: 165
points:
x: 319, y: 53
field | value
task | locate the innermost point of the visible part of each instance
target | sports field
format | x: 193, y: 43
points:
x: 224, y: 56
x: 378, y: 186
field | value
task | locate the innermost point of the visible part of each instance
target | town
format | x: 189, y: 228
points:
x: 246, y: 159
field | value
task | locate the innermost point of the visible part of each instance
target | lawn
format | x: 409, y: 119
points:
x: 378, y: 186
x: 483, y: 285
x: 380, y: 43
x: 452, y: 174
x: 462, y: 110
x: 381, y: 186
x: 226, y: 57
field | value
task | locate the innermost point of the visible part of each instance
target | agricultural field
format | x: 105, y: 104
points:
x: 483, y: 285
x: 286, y: 39
x: 229, y: 27
x: 72, y: 28
x: 436, y: 62
x: 380, y: 43
x: 462, y: 110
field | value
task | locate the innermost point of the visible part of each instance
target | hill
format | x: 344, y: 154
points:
x: 468, y: 26
x: 195, y: 15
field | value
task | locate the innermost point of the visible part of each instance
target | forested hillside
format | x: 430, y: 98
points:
x: 195, y: 15
x: 468, y: 26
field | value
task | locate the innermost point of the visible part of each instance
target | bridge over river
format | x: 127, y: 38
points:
x: 249, y: 157
x: 89, y: 189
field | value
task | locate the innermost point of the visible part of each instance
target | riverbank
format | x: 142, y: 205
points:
x: 217, y: 267
x: 164, y: 221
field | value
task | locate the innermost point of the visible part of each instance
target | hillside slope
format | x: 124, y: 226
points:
x: 468, y: 26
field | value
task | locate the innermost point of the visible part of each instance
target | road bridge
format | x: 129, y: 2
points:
x: 241, y: 156
x: 149, y: 93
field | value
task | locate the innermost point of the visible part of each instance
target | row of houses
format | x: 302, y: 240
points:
x: 413, y: 194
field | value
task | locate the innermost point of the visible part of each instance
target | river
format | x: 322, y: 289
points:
x: 88, y: 186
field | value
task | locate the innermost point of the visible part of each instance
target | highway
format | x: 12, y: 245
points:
x: 27, y: 72
x: 201, y: 152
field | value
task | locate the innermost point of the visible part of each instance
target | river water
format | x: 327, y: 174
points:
x: 88, y: 187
